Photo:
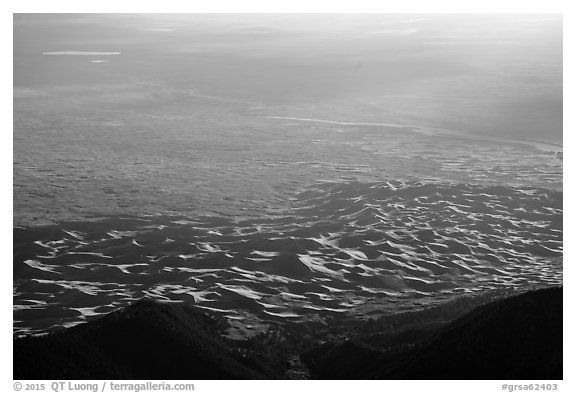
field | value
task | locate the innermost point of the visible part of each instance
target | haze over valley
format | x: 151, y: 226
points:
x: 284, y: 171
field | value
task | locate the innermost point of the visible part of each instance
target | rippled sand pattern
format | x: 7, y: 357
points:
x: 67, y: 167
x: 338, y: 250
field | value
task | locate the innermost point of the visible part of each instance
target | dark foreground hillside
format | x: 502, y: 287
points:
x: 514, y: 338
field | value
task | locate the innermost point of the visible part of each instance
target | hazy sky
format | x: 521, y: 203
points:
x: 494, y: 74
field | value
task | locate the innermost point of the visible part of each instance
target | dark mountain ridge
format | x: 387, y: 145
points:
x: 518, y: 337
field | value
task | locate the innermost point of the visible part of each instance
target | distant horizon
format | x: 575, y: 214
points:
x: 486, y: 74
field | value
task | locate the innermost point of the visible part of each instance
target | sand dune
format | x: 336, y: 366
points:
x: 417, y: 241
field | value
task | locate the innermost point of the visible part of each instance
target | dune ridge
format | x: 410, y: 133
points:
x: 340, y: 251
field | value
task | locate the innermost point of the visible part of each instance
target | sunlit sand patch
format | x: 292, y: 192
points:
x: 82, y: 286
x: 40, y: 266
x: 241, y: 290
x: 266, y: 254
x: 207, y: 247
x: 317, y: 264
x: 356, y: 254
x: 120, y: 234
x: 326, y: 241
x: 70, y: 324
x: 94, y: 254
x: 215, y: 309
x: 75, y: 234
x: 285, y: 314
x: 259, y: 259
x: 19, y: 307
x: 269, y: 306
x: 87, y: 311
x: 36, y: 302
